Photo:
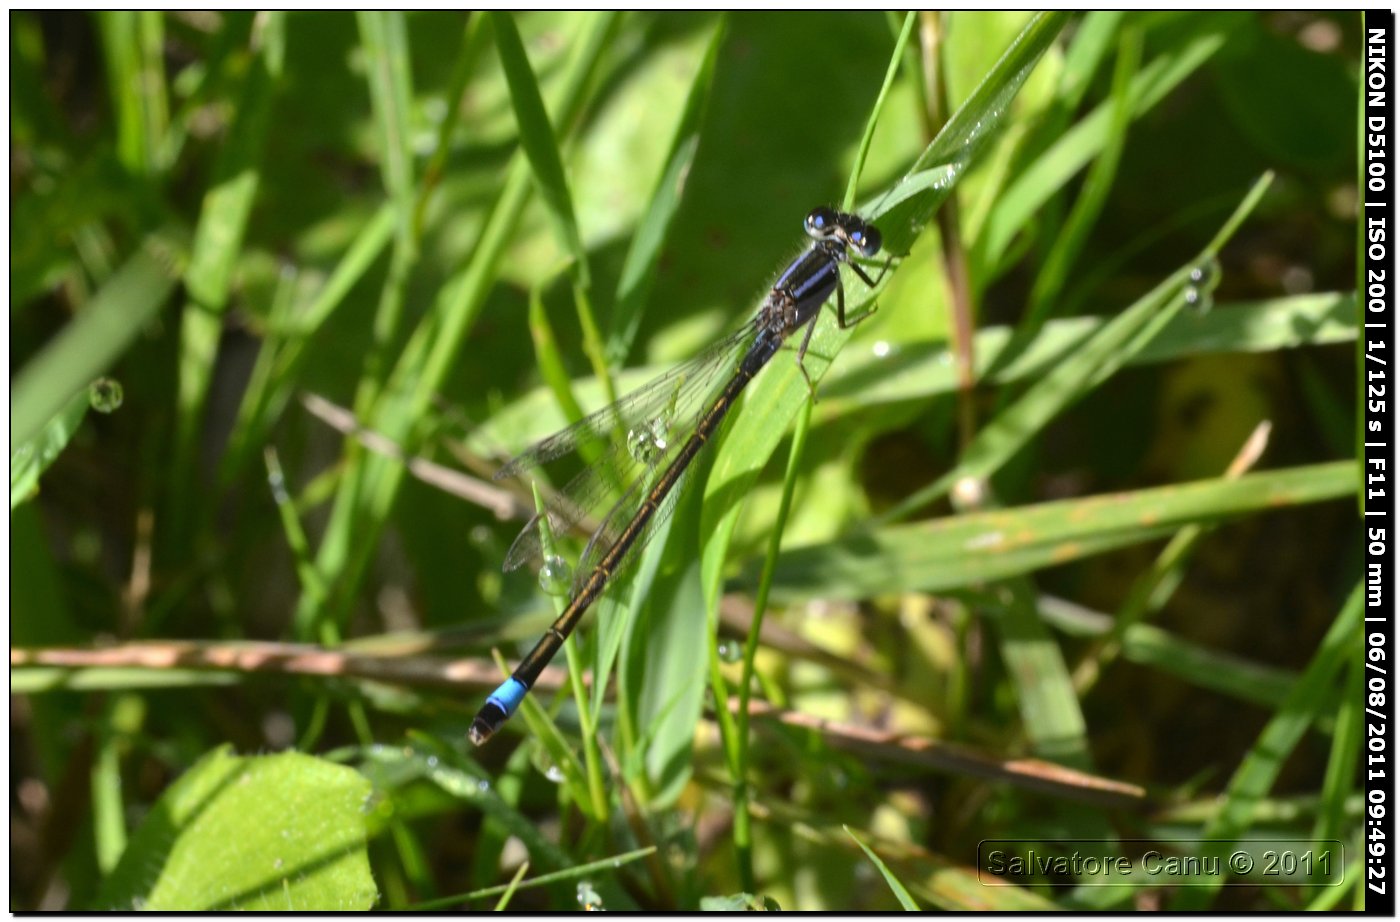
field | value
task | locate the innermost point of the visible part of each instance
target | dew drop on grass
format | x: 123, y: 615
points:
x: 555, y: 575
x: 588, y: 898
x: 1200, y: 285
x: 546, y: 766
x: 105, y: 395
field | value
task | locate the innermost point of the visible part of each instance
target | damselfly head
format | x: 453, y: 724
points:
x: 849, y: 229
x: 865, y: 238
x: 822, y: 222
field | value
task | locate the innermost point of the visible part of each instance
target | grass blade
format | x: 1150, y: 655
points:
x: 945, y: 553
x: 539, y: 140
x: 1314, y: 691
x: 900, y: 893
x: 92, y: 342
x: 639, y: 266
x: 1097, y: 360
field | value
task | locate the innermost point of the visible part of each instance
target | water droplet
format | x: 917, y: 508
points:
x: 881, y: 349
x: 1200, y: 285
x: 277, y: 482
x: 483, y: 785
x: 588, y: 898
x: 729, y: 651
x: 1205, y: 275
x: 545, y: 765
x: 646, y: 441
x: 105, y: 395
x: 432, y: 761
x: 969, y: 493
x: 555, y: 575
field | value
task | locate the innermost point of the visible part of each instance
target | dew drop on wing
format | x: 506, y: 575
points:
x: 648, y: 439
x: 667, y: 394
x: 657, y: 414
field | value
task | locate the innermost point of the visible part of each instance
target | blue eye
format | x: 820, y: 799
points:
x: 867, y: 240
x: 820, y: 221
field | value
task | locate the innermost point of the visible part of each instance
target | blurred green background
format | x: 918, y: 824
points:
x: 233, y: 216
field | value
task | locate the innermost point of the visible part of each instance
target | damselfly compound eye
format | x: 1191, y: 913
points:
x: 866, y: 240
x: 821, y: 222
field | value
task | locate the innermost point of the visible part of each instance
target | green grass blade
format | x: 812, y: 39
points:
x: 285, y: 350
x: 1070, y: 237
x: 1096, y: 361
x: 945, y: 553
x: 391, y: 92
x: 30, y: 459
x: 218, y: 239
x: 1045, y: 696
x: 547, y: 357
x: 1080, y: 144
x: 1348, y: 737
x: 382, y: 35
x: 901, y: 41
x: 773, y: 399
x: 1155, y: 648
x: 92, y: 342
x: 539, y: 140
x: 133, y: 46
x: 863, y: 378
x: 920, y: 370
x: 367, y: 494
x: 639, y: 266
x: 903, y: 211
x: 900, y: 893
x: 1256, y: 774
x: 573, y: 873
x: 474, y: 41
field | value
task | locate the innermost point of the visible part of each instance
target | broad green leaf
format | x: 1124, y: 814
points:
x: 271, y: 833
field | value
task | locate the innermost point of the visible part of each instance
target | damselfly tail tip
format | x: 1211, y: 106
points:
x: 485, y: 724
x: 500, y: 704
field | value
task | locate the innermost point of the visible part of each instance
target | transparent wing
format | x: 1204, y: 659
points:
x: 639, y: 433
x: 642, y: 404
x: 617, y: 519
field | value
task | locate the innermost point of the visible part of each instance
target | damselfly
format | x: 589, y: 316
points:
x: 660, y: 429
